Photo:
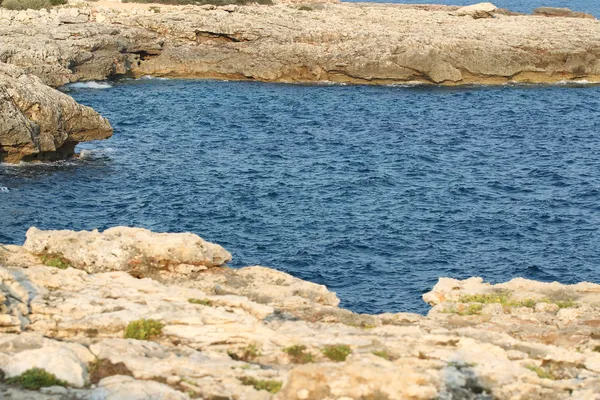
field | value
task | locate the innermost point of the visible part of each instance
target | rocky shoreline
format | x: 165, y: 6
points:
x: 114, y: 315
x: 340, y: 43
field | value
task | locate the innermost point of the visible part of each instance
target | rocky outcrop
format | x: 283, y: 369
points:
x: 561, y: 12
x: 41, y: 123
x: 354, y: 43
x: 256, y: 333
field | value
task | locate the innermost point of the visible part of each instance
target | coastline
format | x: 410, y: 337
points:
x: 73, y: 304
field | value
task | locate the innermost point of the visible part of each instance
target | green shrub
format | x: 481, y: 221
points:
x: 56, y: 261
x: 270, y: 386
x: 337, y: 352
x: 247, y: 353
x: 298, y: 354
x: 36, y: 378
x: 26, y: 4
x: 541, y: 372
x: 143, y: 329
x: 204, y: 302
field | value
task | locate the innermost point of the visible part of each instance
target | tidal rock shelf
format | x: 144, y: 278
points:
x: 128, y: 313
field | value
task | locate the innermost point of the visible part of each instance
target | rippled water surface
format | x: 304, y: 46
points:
x: 524, y: 6
x: 373, y: 191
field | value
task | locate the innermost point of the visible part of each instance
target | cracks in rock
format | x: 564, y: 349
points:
x: 203, y: 36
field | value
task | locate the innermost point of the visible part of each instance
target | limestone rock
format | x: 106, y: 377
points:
x: 561, y: 12
x: 234, y: 333
x: 136, y: 250
x: 479, y: 10
x: 39, y: 123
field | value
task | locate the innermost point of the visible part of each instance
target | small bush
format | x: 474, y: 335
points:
x: 338, y: 352
x: 247, y: 353
x: 103, y: 368
x: 298, y: 354
x: 541, y: 372
x: 143, y: 329
x: 36, y: 378
x: 597, y: 349
x: 204, y: 302
x: 305, y: 8
x: 55, y: 261
x: 27, y: 4
x: 270, y: 386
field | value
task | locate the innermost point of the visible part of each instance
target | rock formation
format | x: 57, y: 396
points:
x: 348, y: 43
x: 256, y: 333
x: 41, y: 123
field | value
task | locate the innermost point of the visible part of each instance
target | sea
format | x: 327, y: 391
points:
x: 375, y: 192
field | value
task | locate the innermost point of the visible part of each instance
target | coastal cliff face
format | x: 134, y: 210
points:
x: 112, y: 317
x: 41, y: 123
x: 355, y: 43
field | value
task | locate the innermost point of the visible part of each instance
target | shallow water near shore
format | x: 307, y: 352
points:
x: 374, y: 191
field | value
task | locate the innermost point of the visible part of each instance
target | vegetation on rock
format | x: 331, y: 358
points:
x: 31, y: 4
x: 56, y: 261
x: 247, y: 353
x: 337, y: 352
x: 383, y: 354
x: 36, y: 378
x: 204, y: 302
x: 103, y: 368
x: 299, y: 355
x: 143, y: 329
x: 270, y: 386
x: 541, y: 372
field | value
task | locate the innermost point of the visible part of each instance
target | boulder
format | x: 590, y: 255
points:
x: 135, y: 250
x: 479, y: 10
x: 41, y: 123
x: 561, y: 12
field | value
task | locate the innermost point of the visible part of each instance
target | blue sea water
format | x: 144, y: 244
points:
x: 373, y: 191
x: 523, y: 6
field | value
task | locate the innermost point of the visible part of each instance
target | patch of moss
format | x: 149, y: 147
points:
x: 247, y: 353
x: 204, y: 302
x: 299, y: 355
x: 143, y: 329
x: 36, y: 378
x: 337, y: 352
x: 597, y: 349
x: 270, y: 386
x: 56, y: 261
x: 383, y: 354
x: 541, y: 372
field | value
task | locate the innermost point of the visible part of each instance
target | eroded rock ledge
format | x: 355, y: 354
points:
x: 67, y: 299
x: 41, y: 123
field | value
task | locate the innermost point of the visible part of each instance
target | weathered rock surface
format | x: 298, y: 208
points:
x: 135, y: 250
x: 234, y: 333
x: 41, y: 123
x: 561, y: 12
x: 357, y: 43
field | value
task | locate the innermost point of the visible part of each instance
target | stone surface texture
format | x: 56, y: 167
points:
x: 41, y: 123
x: 226, y: 332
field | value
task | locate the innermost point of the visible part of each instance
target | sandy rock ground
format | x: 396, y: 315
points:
x: 256, y: 333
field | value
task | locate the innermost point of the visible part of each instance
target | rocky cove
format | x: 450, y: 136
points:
x: 131, y: 314
x: 343, y: 43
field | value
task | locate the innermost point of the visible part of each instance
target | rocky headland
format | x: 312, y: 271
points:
x: 293, y: 42
x: 131, y: 314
